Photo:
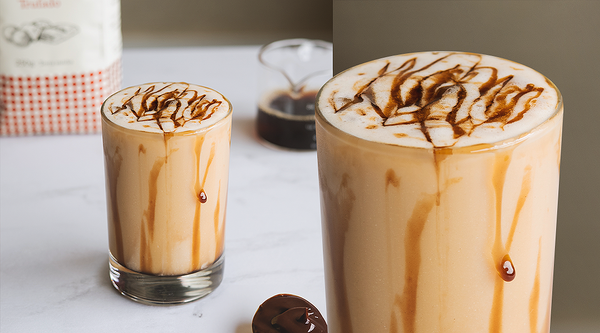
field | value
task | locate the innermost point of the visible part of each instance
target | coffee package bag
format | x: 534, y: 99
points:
x: 59, y: 59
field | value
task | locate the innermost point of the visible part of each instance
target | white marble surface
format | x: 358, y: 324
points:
x: 53, y: 236
x: 54, y: 264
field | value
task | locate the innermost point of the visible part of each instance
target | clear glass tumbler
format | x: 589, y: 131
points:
x: 166, y: 149
x: 439, y: 178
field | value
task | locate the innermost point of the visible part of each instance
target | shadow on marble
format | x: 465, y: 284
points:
x: 104, y: 277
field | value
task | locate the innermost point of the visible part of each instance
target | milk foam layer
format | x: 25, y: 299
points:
x: 438, y: 99
x: 166, y: 107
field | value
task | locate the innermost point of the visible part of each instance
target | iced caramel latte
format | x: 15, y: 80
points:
x: 439, y: 183
x: 166, y: 148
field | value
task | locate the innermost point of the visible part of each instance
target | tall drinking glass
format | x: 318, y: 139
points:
x: 439, y: 183
x: 166, y: 150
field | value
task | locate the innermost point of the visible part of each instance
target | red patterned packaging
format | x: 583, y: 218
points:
x: 59, y: 60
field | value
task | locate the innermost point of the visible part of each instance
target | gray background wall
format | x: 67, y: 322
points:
x: 559, y: 38
x: 223, y: 22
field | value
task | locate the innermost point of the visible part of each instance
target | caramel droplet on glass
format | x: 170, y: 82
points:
x: 507, y: 269
x: 202, y: 196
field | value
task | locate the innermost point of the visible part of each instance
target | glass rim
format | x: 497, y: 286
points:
x: 280, y: 44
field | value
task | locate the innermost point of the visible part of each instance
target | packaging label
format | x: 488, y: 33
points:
x: 59, y: 59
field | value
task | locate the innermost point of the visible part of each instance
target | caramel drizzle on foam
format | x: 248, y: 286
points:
x: 167, y: 107
x: 435, y: 96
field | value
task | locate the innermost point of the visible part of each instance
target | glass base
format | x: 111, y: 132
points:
x: 165, y: 290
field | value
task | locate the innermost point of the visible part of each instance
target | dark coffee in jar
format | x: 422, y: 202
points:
x: 287, y: 119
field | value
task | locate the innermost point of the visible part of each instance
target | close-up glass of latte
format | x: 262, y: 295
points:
x: 439, y: 179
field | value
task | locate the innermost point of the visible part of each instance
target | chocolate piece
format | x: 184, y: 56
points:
x: 288, y: 314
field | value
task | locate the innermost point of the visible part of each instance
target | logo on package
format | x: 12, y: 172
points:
x: 39, y: 31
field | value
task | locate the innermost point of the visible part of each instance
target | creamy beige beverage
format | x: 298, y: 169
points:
x: 166, y: 154
x: 439, y: 184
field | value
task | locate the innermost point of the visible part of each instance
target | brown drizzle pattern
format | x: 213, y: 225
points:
x: 453, y: 94
x: 168, y: 107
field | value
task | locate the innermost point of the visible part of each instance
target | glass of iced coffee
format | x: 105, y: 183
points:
x: 166, y: 150
x: 439, y: 184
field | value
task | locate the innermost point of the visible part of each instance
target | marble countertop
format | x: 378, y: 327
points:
x: 53, y: 229
x: 54, y: 264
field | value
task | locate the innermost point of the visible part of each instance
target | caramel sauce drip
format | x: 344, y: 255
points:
x: 534, y: 299
x: 202, y: 196
x: 406, y: 303
x: 412, y: 247
x: 393, y: 181
x: 432, y: 100
x: 505, y: 266
x: 498, y: 250
x: 113, y: 169
x: 147, y: 227
x: 199, y: 187
x: 507, y: 269
x: 218, y: 240
x: 339, y: 209
x: 546, y: 323
x: 169, y: 108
